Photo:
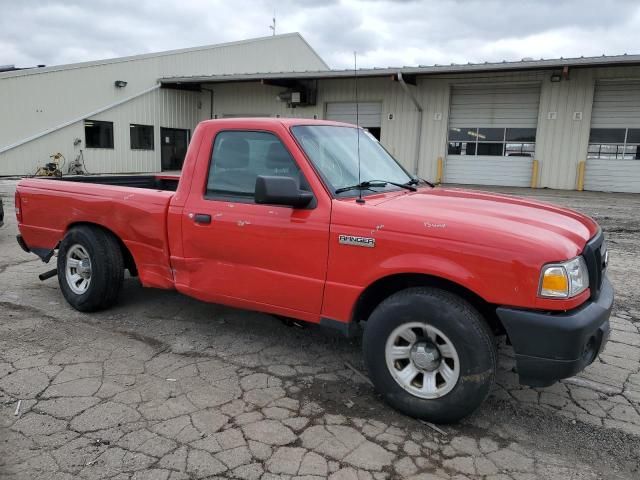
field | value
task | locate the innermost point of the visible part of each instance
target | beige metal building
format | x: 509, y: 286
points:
x: 115, y: 111
x: 562, y: 123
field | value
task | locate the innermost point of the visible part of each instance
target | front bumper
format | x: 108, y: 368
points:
x: 551, y: 346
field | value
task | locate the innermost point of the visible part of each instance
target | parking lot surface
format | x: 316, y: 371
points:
x: 166, y: 387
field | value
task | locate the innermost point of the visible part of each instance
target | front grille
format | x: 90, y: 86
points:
x: 595, y: 255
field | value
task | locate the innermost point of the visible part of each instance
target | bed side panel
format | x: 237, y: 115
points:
x: 137, y: 216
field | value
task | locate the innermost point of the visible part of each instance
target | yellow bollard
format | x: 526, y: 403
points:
x: 581, y: 169
x: 439, y: 172
x: 534, y: 174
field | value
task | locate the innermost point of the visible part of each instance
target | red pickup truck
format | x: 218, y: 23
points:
x: 314, y: 220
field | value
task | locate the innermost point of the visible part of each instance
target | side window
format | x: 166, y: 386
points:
x: 238, y: 157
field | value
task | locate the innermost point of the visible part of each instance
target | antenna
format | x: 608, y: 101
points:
x: 273, y: 25
x: 355, y: 77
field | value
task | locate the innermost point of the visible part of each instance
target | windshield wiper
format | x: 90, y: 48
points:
x: 367, y: 184
x: 417, y: 180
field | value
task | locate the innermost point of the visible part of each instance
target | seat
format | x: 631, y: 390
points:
x: 231, y: 168
x: 280, y: 164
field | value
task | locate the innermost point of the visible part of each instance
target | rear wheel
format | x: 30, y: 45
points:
x: 430, y: 354
x: 90, y: 268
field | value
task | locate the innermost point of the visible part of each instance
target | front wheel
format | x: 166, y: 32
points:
x: 90, y: 268
x: 430, y: 354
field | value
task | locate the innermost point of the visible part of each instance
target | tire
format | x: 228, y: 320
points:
x: 452, y: 322
x: 106, y: 270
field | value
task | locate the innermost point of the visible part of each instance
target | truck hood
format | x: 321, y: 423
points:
x: 489, y: 219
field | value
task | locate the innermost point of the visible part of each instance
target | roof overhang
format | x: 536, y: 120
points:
x: 275, y: 78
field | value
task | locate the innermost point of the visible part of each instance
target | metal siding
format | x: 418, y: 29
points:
x: 434, y: 97
x: 397, y: 135
x: 562, y: 143
x: 615, y: 105
x: 160, y: 108
x: 246, y: 99
x: 38, y: 101
x: 26, y: 159
x: 33, y: 102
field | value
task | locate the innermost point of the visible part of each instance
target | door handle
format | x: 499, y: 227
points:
x: 202, y: 218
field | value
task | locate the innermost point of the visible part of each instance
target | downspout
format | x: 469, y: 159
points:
x: 210, y: 100
x: 415, y: 101
x: 77, y: 119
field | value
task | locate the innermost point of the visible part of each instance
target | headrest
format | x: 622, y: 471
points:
x: 233, y: 153
x: 278, y: 157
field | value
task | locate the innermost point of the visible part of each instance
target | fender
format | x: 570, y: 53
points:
x: 340, y: 299
x: 432, y: 265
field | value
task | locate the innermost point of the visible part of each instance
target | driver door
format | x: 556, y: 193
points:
x: 258, y: 254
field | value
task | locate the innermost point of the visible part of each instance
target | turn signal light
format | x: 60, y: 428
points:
x: 564, y: 280
x: 554, y: 283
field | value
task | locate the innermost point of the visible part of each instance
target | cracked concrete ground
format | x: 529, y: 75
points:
x: 163, y: 386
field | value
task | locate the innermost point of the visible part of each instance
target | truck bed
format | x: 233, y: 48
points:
x: 133, y: 207
x: 151, y: 182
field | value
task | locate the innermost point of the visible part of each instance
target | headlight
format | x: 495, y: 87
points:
x: 564, y: 280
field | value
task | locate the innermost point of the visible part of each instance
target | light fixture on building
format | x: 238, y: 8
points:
x: 556, y: 77
x: 120, y: 83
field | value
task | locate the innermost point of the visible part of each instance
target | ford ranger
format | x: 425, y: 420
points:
x: 314, y: 220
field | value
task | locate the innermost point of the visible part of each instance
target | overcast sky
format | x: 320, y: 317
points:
x: 383, y: 32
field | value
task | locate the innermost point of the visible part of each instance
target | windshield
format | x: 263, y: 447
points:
x: 334, y: 152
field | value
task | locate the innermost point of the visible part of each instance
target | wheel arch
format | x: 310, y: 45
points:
x: 386, y: 286
x: 129, y: 260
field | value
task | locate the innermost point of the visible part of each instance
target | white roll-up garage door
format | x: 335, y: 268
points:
x: 369, y: 113
x: 492, y: 133
x: 613, y: 158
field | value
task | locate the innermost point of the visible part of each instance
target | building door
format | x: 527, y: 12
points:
x: 613, y: 156
x: 369, y: 115
x: 174, y: 143
x: 492, y: 134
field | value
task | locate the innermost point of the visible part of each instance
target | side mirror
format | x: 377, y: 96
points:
x: 281, y: 191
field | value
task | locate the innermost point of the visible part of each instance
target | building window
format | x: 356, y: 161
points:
x: 98, y: 134
x: 499, y: 142
x: 141, y: 137
x: 614, y: 144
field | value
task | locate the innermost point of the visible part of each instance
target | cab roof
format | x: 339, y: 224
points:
x: 285, y: 121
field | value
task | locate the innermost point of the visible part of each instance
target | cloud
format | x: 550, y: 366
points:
x: 383, y: 32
